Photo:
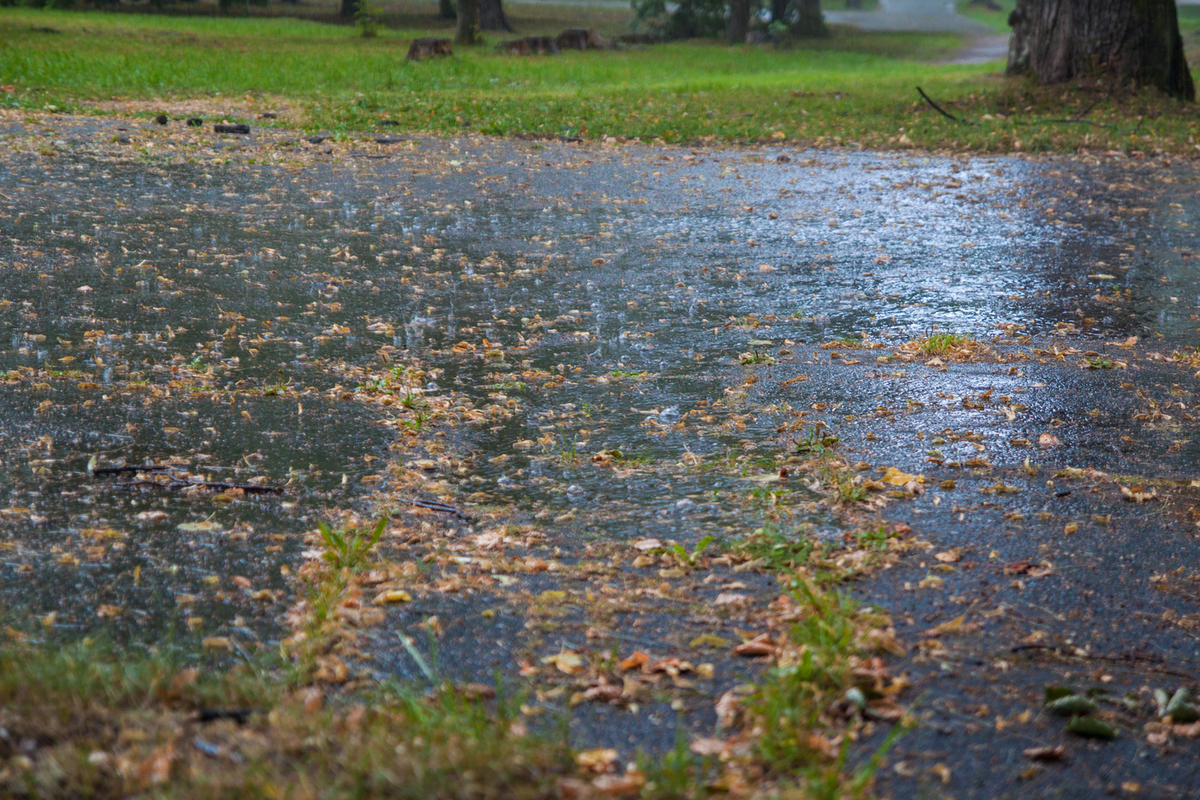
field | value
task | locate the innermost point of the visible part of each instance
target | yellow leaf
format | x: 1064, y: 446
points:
x: 898, y: 478
x: 567, y: 662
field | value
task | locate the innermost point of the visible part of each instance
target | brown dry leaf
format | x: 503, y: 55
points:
x: 645, y: 545
x: 1138, y: 494
x: 568, y: 662
x: 599, y: 759
x: 313, y: 699
x: 761, y: 645
x: 634, y: 661
x: 1046, y: 440
x: 728, y: 708
x: 1190, y: 730
x: 331, y: 669
x: 730, y: 599
x: 885, y: 709
x: 949, y: 556
x: 630, y: 783
x: 954, y: 626
x: 708, y: 746
x: 601, y: 693
x: 1045, y: 753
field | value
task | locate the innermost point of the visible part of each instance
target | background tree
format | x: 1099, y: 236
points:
x: 491, y: 16
x: 685, y: 19
x: 467, y: 31
x: 739, y: 21
x: 1132, y: 42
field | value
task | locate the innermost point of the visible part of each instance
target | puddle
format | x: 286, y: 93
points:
x: 649, y: 321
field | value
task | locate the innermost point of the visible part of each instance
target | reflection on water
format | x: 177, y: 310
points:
x: 609, y: 295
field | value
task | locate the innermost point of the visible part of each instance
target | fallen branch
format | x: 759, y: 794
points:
x: 434, y: 505
x: 176, y: 485
x: 941, y: 110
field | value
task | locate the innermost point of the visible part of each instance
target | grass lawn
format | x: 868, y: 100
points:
x: 852, y: 89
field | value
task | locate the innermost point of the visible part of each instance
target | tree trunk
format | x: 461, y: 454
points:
x: 810, y: 22
x: 739, y: 21
x: 348, y: 7
x: 467, y: 32
x: 779, y: 10
x: 491, y: 16
x: 1125, y: 41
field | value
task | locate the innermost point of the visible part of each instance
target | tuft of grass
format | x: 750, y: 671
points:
x: 778, y: 549
x: 943, y: 342
x: 90, y: 719
x: 349, y: 548
x: 790, y: 708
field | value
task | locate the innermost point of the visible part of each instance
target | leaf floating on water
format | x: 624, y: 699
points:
x: 1072, y: 704
x: 207, y: 526
x: 1091, y: 728
x: 705, y: 640
x: 896, y: 477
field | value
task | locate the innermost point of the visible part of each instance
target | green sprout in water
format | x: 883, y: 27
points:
x: 349, y: 548
x: 942, y: 342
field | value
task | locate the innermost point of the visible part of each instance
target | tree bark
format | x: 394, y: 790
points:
x: 1132, y: 42
x: 810, y: 21
x: 348, y: 7
x: 467, y: 32
x: 739, y: 21
x: 491, y: 16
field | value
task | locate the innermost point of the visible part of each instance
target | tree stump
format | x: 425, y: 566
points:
x: 580, y: 39
x: 421, y: 49
x: 530, y: 46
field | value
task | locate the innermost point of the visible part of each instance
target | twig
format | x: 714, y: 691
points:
x: 120, y: 470
x: 177, y: 484
x: 434, y: 505
x: 941, y: 110
x: 1153, y: 663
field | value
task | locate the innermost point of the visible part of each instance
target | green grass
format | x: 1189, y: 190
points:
x: 941, y: 343
x: 852, y: 89
x: 997, y: 20
x: 114, y: 723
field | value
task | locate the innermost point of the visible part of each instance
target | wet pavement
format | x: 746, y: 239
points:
x: 638, y: 336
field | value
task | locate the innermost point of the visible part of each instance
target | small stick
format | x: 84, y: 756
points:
x: 434, y: 505
x: 941, y: 110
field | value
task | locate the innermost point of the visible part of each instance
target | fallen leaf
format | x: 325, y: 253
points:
x: 1046, y: 440
x: 761, y: 645
x: 707, y: 746
x: 1137, y: 494
x: 1045, y: 753
x: 634, y: 661
x: 895, y: 477
x: 568, y: 662
x: 596, y: 760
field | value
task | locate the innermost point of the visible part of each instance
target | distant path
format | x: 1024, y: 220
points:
x: 931, y: 16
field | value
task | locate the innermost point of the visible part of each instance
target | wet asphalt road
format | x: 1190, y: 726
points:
x: 666, y: 265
